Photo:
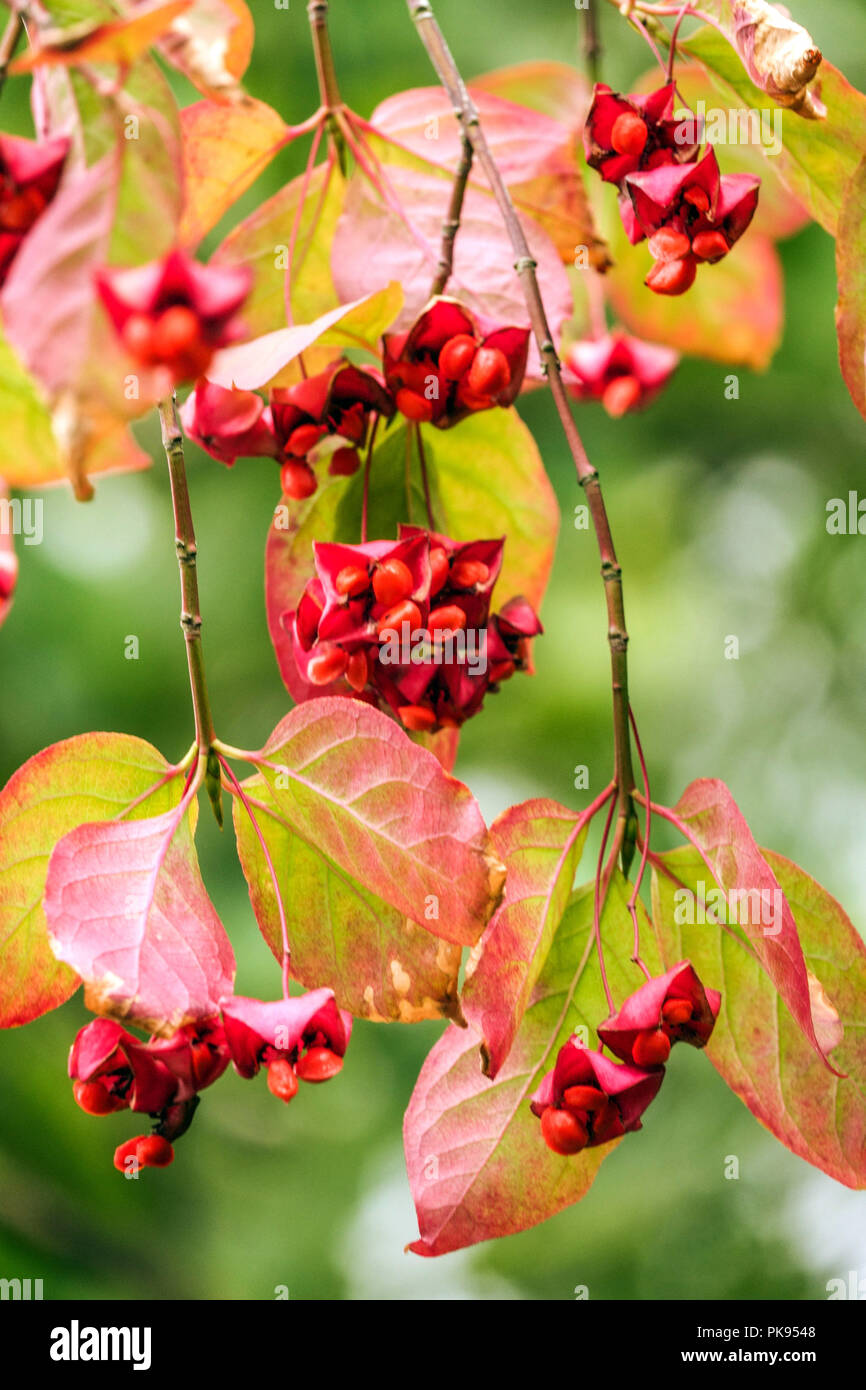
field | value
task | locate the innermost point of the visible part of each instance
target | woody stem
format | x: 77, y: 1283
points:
x: 190, y: 616
x: 449, y: 75
x: 451, y: 225
x: 591, y: 41
x: 329, y: 92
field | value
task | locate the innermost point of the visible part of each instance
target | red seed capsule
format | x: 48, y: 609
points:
x: 344, y: 462
x: 501, y: 671
x: 587, y: 1098
x: 457, y: 356
x: 676, y: 1011
x: 153, y: 1151
x: 177, y: 331
x: 318, y: 1064
x: 447, y: 618
x: 393, y: 620
x: 303, y: 439
x: 297, y: 480
x: 282, y: 1081
x: 138, y: 338
x: 465, y: 574
x: 621, y: 395
x: 489, y: 373
x: 563, y: 1132
x: 328, y: 665
x: 651, y: 1048
x: 629, y: 134
x: 95, y: 1099
x: 352, y: 580
x: 667, y: 244
x: 413, y: 406
x: 439, y: 569
x: 698, y: 198
x: 392, y: 581
x: 672, y: 277
x: 417, y: 718
x: 358, y: 671
x: 710, y: 246
x: 124, y: 1152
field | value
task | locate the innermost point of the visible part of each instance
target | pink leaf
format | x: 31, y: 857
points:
x: 540, y: 844
x: 126, y: 907
x: 719, y: 829
x: 374, y: 244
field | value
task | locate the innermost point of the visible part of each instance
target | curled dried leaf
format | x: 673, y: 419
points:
x: 780, y: 55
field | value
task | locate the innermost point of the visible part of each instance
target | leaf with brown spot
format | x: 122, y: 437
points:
x: 756, y: 1046
x: 119, y: 41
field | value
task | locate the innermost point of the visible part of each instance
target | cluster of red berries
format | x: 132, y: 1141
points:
x: 691, y: 213
x: 587, y: 1099
x: 30, y: 173
x: 172, y: 315
x: 406, y: 625
x: 438, y: 372
x: 326, y: 416
x: 304, y: 1037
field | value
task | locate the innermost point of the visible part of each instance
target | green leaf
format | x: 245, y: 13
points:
x: 478, y: 1165
x: 347, y: 778
x: 380, y: 965
x: 88, y: 778
x: 756, y: 1045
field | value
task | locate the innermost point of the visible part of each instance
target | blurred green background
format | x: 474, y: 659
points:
x: 719, y: 513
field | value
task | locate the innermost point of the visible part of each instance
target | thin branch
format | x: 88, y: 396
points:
x: 597, y: 909
x: 591, y: 41
x: 451, y: 225
x: 190, y: 616
x: 425, y: 479
x: 449, y: 75
x: 365, y: 496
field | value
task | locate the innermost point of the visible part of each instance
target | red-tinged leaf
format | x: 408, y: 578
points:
x: 756, y: 1046
x: 120, y: 41
x: 487, y: 479
x: 717, y: 826
x: 264, y: 361
x: 535, y: 154
x: 212, y: 44
x: 380, y: 965
x: 375, y: 243
x: 8, y: 559
x: 540, y: 844
x: 262, y: 243
x: 94, y: 775
x: 348, y: 779
x: 818, y: 157
x: 127, y: 909
x: 557, y: 90
x: 478, y: 1166
x: 226, y: 147
x: 851, y: 272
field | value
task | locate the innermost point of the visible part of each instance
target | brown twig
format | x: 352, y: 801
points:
x: 451, y: 225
